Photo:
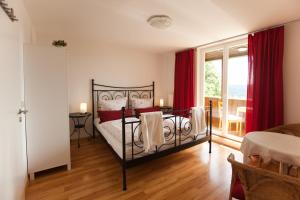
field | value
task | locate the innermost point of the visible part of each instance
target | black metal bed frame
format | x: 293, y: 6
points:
x: 176, y: 137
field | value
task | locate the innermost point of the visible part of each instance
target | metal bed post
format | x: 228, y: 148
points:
x: 123, y: 150
x: 179, y: 129
x: 93, y: 107
x: 153, y: 94
x: 175, y: 130
x: 210, y: 124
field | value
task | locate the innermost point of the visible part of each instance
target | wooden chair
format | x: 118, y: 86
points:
x: 236, y: 119
x: 262, y: 184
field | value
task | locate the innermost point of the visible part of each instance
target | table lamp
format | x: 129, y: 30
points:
x: 83, y: 107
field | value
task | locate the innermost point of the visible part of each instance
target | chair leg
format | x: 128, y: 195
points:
x: 228, y: 126
x: 241, y: 124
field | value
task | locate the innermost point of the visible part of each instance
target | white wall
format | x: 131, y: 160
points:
x: 13, y: 164
x: 167, y: 74
x: 109, y: 65
x: 291, y: 73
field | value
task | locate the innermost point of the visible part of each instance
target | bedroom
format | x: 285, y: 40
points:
x: 113, y: 43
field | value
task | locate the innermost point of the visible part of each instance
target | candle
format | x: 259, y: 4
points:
x: 83, y: 107
x: 161, y: 102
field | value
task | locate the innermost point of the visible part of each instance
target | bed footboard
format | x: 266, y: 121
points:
x: 178, y: 136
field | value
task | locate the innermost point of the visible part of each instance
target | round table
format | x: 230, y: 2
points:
x: 272, y: 146
x: 79, y: 120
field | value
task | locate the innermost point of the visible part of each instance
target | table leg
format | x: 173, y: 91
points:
x: 87, y: 132
x: 73, y: 132
x: 283, y: 168
x: 91, y: 135
x: 78, y: 144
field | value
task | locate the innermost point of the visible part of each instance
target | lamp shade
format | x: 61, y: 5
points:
x: 83, y: 107
x: 161, y: 102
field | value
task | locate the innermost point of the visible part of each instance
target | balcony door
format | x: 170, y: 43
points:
x: 223, y: 72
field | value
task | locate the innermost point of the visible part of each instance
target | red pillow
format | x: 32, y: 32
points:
x: 138, y: 111
x: 109, y: 115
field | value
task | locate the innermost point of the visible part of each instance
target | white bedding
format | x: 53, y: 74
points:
x: 114, y: 127
x: 112, y: 132
x: 181, y: 122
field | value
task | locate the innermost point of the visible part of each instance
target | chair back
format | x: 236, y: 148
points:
x: 241, y: 111
x: 262, y: 184
x: 220, y: 109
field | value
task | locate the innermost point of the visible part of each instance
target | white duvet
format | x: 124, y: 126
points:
x: 114, y: 127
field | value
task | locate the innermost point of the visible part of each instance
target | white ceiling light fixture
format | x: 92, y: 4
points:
x: 160, y: 21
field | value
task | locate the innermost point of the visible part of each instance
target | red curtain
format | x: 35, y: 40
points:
x: 184, y: 83
x: 265, y: 84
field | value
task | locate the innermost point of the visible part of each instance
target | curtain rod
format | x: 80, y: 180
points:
x: 244, y: 34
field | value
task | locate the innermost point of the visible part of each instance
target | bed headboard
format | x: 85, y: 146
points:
x: 107, y: 92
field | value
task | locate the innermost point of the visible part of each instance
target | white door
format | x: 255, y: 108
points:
x: 13, y: 165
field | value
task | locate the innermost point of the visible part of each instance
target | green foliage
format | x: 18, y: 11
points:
x: 212, y: 81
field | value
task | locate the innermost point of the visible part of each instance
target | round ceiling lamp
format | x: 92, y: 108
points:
x: 160, y: 21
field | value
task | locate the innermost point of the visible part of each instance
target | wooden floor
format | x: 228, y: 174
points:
x: 96, y: 174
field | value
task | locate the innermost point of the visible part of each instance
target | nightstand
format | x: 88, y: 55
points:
x: 79, y: 120
x: 166, y: 109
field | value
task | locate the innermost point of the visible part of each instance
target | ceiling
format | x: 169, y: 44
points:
x: 123, y: 22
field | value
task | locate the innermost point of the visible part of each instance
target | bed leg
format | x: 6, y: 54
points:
x: 124, y: 178
x: 210, y: 124
x: 123, y: 150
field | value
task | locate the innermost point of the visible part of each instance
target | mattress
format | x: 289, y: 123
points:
x: 112, y: 132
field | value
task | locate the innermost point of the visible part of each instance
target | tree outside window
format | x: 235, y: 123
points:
x: 213, y: 78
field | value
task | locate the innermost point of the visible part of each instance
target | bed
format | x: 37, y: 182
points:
x: 123, y: 135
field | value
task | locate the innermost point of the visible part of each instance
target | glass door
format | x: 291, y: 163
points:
x: 237, y: 89
x: 213, y: 68
x: 225, y: 69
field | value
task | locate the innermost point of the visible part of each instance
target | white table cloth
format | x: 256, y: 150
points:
x: 280, y: 147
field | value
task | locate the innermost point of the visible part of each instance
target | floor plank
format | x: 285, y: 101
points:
x: 96, y: 174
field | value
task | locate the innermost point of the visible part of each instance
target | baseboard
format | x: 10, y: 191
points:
x: 226, y: 142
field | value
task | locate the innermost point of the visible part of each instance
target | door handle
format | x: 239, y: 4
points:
x: 22, y: 112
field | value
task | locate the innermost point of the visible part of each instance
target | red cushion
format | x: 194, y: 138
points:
x: 138, y: 111
x: 108, y: 115
x: 237, y: 190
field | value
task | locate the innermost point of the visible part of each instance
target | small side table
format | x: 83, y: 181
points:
x: 166, y: 109
x: 79, y: 120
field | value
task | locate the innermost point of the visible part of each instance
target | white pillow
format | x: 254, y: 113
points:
x: 141, y: 103
x: 115, y: 104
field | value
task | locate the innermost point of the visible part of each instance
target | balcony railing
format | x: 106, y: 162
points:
x: 236, y: 107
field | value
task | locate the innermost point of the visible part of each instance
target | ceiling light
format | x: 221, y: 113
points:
x: 242, y: 49
x: 160, y: 21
